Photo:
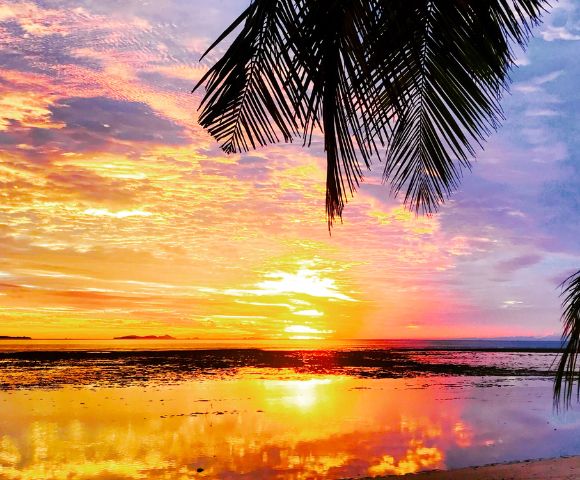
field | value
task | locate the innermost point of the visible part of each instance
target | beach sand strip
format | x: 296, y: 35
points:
x: 566, y: 468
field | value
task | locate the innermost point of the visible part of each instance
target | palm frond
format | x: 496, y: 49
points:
x: 332, y: 53
x: 453, y: 65
x: 568, y: 373
x: 244, y: 105
x: 419, y: 80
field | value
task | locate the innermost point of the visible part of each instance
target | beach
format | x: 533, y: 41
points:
x: 550, y: 469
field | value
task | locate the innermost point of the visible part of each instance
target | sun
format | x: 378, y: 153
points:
x: 297, y: 299
x: 305, y: 281
x: 304, y: 332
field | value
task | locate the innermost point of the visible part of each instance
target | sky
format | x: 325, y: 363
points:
x: 119, y: 215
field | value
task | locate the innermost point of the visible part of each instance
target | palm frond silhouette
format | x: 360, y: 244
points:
x: 414, y: 83
x: 568, y: 371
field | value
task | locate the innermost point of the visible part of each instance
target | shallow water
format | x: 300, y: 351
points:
x: 110, y: 364
x: 129, y: 413
x: 266, y: 424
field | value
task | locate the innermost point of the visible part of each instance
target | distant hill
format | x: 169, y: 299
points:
x: 6, y: 337
x: 146, y: 337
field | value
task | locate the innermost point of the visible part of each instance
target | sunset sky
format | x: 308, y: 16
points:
x: 119, y: 215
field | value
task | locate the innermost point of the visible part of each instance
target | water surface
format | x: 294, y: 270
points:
x: 284, y: 413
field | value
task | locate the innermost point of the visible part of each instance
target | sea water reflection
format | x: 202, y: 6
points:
x: 278, y: 424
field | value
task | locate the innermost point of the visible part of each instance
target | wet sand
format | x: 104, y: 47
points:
x: 56, y: 369
x: 552, y: 469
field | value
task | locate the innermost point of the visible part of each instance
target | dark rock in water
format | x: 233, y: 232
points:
x: 146, y: 337
x: 199, y: 470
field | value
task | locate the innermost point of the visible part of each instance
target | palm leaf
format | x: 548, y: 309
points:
x: 567, y: 373
x: 244, y: 105
x: 331, y: 51
x: 453, y: 63
x: 423, y: 77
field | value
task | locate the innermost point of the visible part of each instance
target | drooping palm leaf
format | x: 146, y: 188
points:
x: 423, y: 77
x: 312, y: 55
x: 455, y: 67
x: 330, y: 49
x: 567, y: 373
x: 244, y: 105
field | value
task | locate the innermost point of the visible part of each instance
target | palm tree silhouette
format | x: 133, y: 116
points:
x: 415, y: 84
x: 567, y: 371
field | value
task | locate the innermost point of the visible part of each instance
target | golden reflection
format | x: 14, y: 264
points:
x: 266, y: 424
x: 9, y: 452
x: 304, y: 394
x: 417, y: 457
x: 463, y: 434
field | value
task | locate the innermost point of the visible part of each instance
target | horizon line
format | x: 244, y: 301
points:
x: 507, y: 337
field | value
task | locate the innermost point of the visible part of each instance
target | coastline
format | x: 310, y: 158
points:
x: 562, y: 468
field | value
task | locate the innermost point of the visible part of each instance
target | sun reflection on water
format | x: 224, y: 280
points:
x: 271, y: 423
x: 303, y: 394
x: 290, y: 425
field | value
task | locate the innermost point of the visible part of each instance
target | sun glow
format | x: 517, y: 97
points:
x: 309, y: 313
x: 304, y: 332
x: 305, y: 329
x: 305, y: 282
x: 296, y: 298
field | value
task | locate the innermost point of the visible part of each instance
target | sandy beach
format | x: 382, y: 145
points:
x: 567, y: 468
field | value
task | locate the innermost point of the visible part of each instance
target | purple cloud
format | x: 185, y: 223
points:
x: 517, y: 263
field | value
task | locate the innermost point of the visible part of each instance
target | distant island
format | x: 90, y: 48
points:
x: 6, y: 337
x: 146, y: 337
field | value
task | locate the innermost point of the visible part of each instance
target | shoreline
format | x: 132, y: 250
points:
x: 106, y: 366
x: 561, y: 468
